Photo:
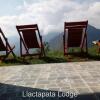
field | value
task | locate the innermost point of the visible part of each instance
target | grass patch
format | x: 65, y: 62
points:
x: 55, y: 57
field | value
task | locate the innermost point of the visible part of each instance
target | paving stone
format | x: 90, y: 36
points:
x: 83, y: 77
x: 42, y: 82
x: 41, y: 86
x: 54, y: 88
x: 65, y: 89
x: 84, y: 90
x: 95, y: 89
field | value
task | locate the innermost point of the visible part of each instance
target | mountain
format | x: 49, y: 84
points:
x: 56, y: 43
x: 93, y: 34
x: 50, y: 36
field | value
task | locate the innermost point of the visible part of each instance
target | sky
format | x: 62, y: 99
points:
x: 50, y: 15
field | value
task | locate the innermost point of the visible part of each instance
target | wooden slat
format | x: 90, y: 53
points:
x: 19, y: 27
x: 76, y: 23
x: 76, y: 26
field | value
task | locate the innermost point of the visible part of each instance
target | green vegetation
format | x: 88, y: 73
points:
x: 54, y: 57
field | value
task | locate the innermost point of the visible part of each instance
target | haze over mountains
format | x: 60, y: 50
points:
x: 55, y: 40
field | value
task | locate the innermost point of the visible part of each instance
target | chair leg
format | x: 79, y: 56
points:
x: 86, y: 49
x: 65, y: 51
x: 86, y: 45
x: 82, y: 50
x: 11, y: 51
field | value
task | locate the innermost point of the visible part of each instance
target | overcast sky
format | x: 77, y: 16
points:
x: 50, y: 15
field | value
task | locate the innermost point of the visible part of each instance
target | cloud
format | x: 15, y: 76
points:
x: 50, y: 15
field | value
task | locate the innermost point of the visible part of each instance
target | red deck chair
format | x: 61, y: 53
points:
x: 29, y: 39
x: 5, y: 46
x: 75, y: 35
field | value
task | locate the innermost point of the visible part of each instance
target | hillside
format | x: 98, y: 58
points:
x: 93, y: 34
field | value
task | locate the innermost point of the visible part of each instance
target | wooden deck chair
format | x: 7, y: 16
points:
x: 30, y: 38
x: 75, y: 35
x: 5, y: 46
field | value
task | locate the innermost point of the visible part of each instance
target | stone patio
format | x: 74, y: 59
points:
x: 82, y: 78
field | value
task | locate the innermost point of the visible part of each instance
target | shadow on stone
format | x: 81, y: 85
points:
x: 54, y: 60
x: 12, y: 92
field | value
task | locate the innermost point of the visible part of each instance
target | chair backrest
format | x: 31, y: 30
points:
x: 28, y: 34
x: 2, y: 45
x: 75, y: 32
